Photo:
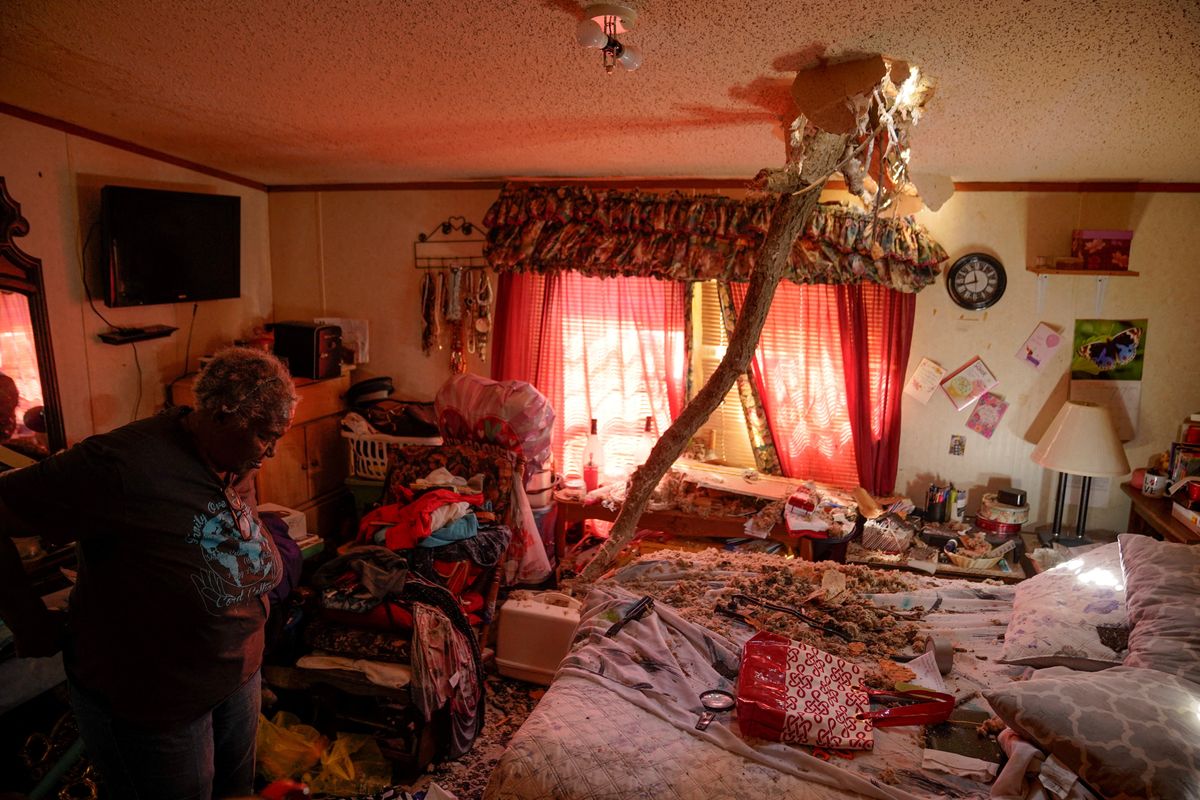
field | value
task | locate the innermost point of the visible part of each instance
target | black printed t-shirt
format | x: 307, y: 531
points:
x: 168, y: 612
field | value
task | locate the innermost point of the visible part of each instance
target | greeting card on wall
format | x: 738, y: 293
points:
x: 968, y: 383
x: 987, y: 414
x: 924, y: 380
x: 1040, y: 345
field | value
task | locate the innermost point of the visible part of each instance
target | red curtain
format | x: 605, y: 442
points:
x: 606, y: 349
x: 876, y: 326
x: 520, y: 299
x: 830, y: 367
x: 799, y: 370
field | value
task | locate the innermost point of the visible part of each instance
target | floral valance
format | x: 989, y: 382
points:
x: 678, y: 237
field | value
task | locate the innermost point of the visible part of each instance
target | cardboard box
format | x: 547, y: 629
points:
x: 1102, y: 250
x: 1190, y: 519
x: 295, y: 520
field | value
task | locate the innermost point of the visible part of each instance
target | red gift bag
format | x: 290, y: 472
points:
x: 791, y: 692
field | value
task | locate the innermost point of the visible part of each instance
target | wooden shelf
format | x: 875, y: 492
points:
x: 1095, y: 273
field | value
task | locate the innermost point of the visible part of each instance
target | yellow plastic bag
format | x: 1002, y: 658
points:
x: 286, y: 747
x: 352, y: 765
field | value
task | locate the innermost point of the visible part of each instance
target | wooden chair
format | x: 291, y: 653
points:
x: 499, y: 467
x: 334, y: 696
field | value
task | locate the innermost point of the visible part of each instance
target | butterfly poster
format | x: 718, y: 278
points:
x: 1108, y: 349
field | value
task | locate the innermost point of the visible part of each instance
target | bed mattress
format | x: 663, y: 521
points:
x: 619, y: 719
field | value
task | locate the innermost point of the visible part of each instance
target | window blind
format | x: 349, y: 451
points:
x: 729, y: 420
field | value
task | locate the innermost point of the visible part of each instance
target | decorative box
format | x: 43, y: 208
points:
x: 1102, y: 250
x: 995, y: 510
x: 888, y: 534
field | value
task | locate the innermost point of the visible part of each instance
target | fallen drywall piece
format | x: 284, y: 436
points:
x: 825, y: 94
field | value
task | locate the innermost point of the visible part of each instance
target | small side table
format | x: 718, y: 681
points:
x: 673, y: 522
x: 1152, y: 516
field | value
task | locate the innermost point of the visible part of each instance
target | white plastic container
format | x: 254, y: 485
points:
x: 535, y: 634
x: 540, y: 488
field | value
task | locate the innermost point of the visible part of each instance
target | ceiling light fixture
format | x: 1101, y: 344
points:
x: 598, y: 31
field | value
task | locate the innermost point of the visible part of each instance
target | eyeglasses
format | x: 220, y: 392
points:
x: 241, y: 513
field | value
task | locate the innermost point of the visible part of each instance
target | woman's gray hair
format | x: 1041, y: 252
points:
x: 251, y: 386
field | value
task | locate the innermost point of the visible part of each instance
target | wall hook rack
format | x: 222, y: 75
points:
x: 452, y: 244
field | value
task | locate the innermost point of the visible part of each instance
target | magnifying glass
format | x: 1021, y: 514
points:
x: 715, y: 701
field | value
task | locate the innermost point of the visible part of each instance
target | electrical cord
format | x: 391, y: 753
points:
x: 187, y: 350
x: 187, y: 355
x: 138, y: 400
x: 87, y: 291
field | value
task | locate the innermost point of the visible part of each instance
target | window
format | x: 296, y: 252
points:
x: 609, y: 349
x: 612, y: 349
x: 727, y: 425
x: 799, y: 370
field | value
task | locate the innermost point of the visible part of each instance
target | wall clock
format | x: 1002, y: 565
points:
x: 976, y: 281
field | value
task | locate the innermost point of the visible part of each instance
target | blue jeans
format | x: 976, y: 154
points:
x: 209, y: 757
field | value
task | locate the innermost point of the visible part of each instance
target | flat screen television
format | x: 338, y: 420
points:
x: 169, y: 247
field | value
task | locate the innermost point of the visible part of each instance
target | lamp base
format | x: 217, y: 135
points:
x: 1047, y: 539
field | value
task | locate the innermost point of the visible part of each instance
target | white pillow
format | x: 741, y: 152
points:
x: 1164, y: 605
x: 1072, y: 615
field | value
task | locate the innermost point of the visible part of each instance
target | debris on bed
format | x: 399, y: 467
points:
x: 825, y: 601
x: 991, y: 726
x: 889, y: 776
x: 887, y: 674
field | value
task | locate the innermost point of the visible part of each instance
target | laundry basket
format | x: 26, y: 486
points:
x: 368, y: 451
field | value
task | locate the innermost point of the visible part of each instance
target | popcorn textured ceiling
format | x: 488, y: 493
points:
x: 378, y: 91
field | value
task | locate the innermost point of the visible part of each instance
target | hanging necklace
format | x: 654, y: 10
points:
x: 483, y: 318
x: 226, y: 480
x: 429, y: 326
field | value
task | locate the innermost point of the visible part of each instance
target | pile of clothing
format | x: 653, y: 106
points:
x: 401, y: 603
x: 447, y: 530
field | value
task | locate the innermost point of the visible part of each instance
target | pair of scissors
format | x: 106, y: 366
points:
x: 637, y: 611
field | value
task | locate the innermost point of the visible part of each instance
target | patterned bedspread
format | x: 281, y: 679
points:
x: 619, y: 719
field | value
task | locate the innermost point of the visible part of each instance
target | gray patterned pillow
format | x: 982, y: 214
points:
x: 1162, y: 586
x: 1128, y: 732
x: 1072, y: 615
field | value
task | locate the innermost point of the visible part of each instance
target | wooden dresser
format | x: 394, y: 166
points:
x: 309, y: 469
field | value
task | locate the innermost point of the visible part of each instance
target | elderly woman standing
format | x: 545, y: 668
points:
x: 165, y: 633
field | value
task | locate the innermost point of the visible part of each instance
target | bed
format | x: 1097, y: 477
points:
x: 619, y: 719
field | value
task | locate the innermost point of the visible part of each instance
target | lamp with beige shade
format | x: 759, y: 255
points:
x: 1081, y: 440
